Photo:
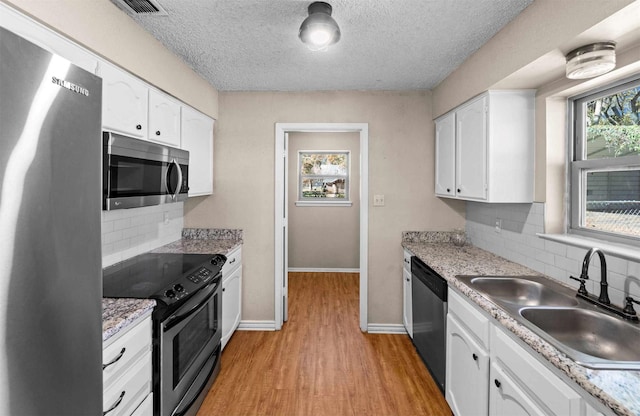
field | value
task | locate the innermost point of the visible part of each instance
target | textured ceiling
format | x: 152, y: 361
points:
x: 253, y: 45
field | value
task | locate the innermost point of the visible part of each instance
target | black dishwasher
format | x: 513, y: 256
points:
x: 429, y: 304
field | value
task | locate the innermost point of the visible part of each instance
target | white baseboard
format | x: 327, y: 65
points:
x: 386, y: 329
x: 257, y: 326
x: 320, y: 270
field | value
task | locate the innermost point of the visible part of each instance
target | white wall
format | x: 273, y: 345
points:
x: 401, y: 166
x: 129, y: 232
x: 325, y: 237
x: 518, y: 242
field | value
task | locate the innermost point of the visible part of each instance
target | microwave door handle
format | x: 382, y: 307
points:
x: 179, y: 185
x: 174, y: 194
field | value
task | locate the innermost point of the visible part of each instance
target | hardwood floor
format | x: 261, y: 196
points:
x: 320, y: 363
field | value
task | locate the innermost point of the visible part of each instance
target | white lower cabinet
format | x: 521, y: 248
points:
x: 507, y: 398
x: 231, y: 294
x: 127, y: 372
x: 490, y: 372
x: 146, y: 408
x: 407, y: 305
x: 467, y: 365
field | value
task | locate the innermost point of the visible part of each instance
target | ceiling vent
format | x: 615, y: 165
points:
x: 141, y: 7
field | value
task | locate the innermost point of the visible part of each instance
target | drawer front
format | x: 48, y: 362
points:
x: 124, y: 396
x: 234, y: 259
x: 406, y: 262
x: 474, y: 320
x: 547, y: 388
x: 124, y: 351
x: 146, y: 408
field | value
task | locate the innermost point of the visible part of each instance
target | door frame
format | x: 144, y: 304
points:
x: 281, y: 239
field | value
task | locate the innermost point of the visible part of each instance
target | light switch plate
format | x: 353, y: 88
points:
x: 378, y: 200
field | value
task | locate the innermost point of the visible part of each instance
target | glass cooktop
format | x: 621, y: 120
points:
x: 148, y: 274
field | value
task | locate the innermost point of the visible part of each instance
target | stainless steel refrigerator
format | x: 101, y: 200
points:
x: 50, y: 254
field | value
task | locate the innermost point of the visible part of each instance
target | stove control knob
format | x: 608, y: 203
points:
x: 214, y: 261
x: 178, y: 288
x: 170, y: 293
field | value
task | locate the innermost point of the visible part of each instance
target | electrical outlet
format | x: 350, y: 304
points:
x: 378, y: 200
x: 498, y: 225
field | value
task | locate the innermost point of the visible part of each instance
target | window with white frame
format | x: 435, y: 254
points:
x: 323, y: 176
x: 605, y: 166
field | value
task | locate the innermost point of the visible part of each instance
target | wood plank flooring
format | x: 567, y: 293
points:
x: 320, y: 363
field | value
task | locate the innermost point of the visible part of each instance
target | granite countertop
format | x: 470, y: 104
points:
x: 118, y: 314
x: 618, y: 390
x: 193, y: 246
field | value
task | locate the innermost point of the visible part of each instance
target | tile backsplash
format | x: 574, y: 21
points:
x: 129, y: 232
x: 517, y: 241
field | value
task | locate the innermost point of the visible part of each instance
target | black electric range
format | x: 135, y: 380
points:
x: 169, y: 278
x: 186, y: 323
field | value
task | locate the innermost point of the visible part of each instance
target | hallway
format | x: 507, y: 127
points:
x: 321, y: 364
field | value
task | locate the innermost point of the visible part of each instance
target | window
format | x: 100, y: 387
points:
x: 324, y: 176
x: 605, y: 167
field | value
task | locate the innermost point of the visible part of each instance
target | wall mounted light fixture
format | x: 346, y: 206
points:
x: 319, y: 30
x: 591, y: 60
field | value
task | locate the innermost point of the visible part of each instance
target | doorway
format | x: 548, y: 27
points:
x: 282, y: 217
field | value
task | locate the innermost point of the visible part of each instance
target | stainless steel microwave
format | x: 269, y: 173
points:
x: 138, y: 173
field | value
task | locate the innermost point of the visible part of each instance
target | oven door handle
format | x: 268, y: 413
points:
x: 176, y: 319
x: 186, y: 407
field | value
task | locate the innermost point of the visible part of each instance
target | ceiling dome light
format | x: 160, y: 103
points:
x: 591, y: 60
x: 319, y: 30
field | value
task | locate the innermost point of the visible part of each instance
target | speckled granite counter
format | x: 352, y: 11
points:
x: 618, y: 390
x: 204, y: 241
x: 118, y: 314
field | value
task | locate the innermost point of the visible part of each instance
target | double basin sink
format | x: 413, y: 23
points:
x: 589, y: 336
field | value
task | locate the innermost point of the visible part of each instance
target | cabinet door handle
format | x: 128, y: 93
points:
x: 448, y: 190
x: 115, y: 360
x: 459, y: 191
x: 474, y: 356
x: 139, y: 127
x: 116, y: 404
x: 406, y: 261
x: 158, y: 133
x: 408, y: 280
x: 497, y: 383
x: 232, y: 261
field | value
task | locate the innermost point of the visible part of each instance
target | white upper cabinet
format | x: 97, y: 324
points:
x: 485, y: 148
x: 164, y: 119
x: 124, y: 102
x: 446, y: 155
x: 197, y: 138
x: 471, y: 150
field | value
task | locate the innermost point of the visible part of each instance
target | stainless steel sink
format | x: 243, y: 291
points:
x: 521, y: 291
x: 588, y: 332
x: 588, y: 335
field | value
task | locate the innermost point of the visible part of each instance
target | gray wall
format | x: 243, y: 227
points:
x: 324, y: 237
